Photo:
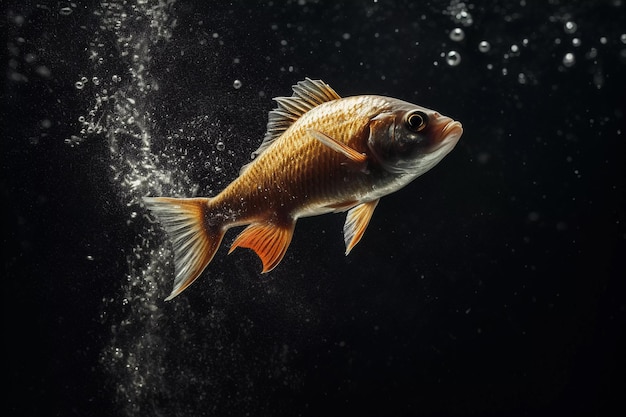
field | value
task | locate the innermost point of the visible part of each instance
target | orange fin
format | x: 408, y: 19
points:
x: 356, y: 223
x: 337, y: 146
x: 269, y: 240
x: 193, y: 240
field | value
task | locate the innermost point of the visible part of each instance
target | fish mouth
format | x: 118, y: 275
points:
x: 449, y: 134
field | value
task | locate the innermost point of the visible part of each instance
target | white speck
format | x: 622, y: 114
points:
x: 570, y: 27
x: 453, y: 58
x: 484, y: 46
x: 457, y: 34
x: 569, y: 60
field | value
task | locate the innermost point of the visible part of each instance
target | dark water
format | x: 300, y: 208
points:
x: 492, y: 285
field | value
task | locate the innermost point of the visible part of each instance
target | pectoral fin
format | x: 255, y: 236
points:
x: 356, y: 222
x: 269, y: 240
x: 337, y: 146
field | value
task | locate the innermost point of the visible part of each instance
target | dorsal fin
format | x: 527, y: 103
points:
x: 306, y: 95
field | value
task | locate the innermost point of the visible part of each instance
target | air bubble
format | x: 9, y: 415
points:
x: 457, y: 34
x: 484, y: 46
x: 623, y: 38
x: 453, y: 58
x: 576, y: 42
x: 569, y: 60
x: 570, y: 27
x: 220, y: 146
x: 237, y: 84
x: 65, y: 11
x: 79, y: 85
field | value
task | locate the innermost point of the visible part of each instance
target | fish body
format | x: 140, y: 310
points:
x: 321, y: 154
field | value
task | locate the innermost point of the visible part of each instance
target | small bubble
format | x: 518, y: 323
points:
x: 484, y: 46
x: 521, y: 78
x: 570, y: 27
x: 220, y: 146
x: 237, y: 84
x: 95, y: 81
x: 453, y: 58
x: 79, y: 85
x: 116, y: 78
x: 592, y: 54
x: 576, y: 42
x: 514, y: 48
x: 457, y: 34
x: 603, y: 40
x: 569, y: 60
x: 623, y: 38
x: 65, y: 11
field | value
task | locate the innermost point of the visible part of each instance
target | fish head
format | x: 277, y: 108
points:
x: 410, y: 139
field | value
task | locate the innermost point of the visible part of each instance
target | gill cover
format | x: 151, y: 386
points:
x: 397, y: 139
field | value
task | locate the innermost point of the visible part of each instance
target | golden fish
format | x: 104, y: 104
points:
x: 321, y: 154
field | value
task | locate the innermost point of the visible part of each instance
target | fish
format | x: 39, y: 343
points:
x: 321, y: 154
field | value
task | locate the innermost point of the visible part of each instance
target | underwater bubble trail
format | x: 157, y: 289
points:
x: 122, y: 86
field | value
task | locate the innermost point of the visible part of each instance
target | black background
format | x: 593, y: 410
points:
x: 493, y: 285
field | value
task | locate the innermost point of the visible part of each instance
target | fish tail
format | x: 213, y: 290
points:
x: 194, y: 239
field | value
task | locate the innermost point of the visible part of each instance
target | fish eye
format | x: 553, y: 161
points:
x: 416, y: 121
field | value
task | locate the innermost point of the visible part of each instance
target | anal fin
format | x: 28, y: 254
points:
x: 356, y: 222
x: 269, y: 240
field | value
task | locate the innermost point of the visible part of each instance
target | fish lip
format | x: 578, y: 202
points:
x: 450, y: 134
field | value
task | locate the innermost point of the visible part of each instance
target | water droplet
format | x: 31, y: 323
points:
x: 570, y: 27
x: 237, y: 84
x: 457, y: 34
x: 220, y: 146
x: 569, y: 60
x: 484, y: 46
x: 453, y: 58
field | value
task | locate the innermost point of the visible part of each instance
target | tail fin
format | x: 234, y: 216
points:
x: 193, y: 239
